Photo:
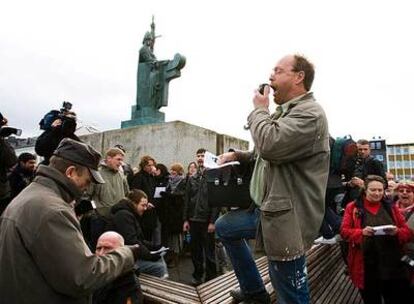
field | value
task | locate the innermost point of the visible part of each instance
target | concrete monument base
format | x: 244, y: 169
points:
x: 169, y: 142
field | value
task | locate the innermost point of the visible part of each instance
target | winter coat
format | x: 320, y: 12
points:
x: 126, y: 221
x: 196, y: 207
x: 171, y: 209
x: 19, y: 179
x: 43, y: 256
x: 351, y: 231
x: 296, y: 148
x: 7, y: 160
x: 108, y: 194
x: 49, y: 140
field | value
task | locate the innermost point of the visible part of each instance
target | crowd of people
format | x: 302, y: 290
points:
x: 77, y: 227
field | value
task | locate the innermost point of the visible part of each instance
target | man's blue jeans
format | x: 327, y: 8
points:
x: 289, y: 279
x: 233, y: 229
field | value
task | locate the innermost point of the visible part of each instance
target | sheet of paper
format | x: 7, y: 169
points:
x: 163, y: 250
x: 158, y: 190
x: 379, y: 230
x: 210, y: 161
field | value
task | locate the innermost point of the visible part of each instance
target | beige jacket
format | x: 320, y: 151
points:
x: 296, y: 147
x: 43, y: 257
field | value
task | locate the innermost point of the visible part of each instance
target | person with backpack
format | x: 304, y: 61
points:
x: 358, y: 168
x: 374, y: 254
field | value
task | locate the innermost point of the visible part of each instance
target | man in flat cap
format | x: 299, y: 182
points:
x: 43, y: 256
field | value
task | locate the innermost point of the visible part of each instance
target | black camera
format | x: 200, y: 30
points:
x: 6, y: 131
x: 83, y: 206
x: 66, y: 107
x: 67, y: 122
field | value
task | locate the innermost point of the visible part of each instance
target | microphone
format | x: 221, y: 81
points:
x: 260, y: 89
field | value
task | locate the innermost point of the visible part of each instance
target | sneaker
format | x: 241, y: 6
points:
x: 322, y: 240
x: 195, y: 282
x: 237, y: 295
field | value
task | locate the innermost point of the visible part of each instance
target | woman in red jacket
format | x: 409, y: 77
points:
x: 374, y: 254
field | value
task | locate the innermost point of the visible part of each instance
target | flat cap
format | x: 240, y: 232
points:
x: 81, y: 154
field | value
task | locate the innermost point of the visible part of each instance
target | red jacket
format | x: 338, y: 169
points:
x: 351, y: 231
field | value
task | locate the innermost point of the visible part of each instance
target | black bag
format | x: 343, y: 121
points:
x: 230, y: 186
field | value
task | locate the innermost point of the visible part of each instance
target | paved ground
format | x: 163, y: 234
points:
x: 183, y: 271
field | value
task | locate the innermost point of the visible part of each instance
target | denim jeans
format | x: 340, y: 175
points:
x: 155, y: 268
x: 289, y: 279
x: 233, y: 229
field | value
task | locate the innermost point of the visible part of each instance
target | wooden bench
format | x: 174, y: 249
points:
x: 156, y: 290
x: 327, y: 282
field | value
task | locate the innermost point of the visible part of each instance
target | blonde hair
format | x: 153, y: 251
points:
x: 112, y: 152
x: 177, y: 167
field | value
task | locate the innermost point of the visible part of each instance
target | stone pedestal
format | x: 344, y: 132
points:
x: 169, y: 142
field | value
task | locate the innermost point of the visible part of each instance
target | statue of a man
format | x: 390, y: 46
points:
x: 146, y: 53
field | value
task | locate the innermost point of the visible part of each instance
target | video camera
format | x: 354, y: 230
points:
x: 49, y: 118
x: 83, y: 206
x: 6, y: 131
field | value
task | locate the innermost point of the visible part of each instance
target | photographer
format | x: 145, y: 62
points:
x: 7, y: 160
x: 57, y: 125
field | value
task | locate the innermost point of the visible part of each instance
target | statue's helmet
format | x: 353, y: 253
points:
x: 147, y: 36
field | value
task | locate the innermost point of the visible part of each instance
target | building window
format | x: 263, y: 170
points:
x: 397, y: 151
x: 378, y: 145
x: 404, y: 150
x: 391, y: 164
x: 411, y: 149
x: 390, y: 150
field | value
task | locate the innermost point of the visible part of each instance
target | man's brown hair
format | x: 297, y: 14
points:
x: 303, y: 64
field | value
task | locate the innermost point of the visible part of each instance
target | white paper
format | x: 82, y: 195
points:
x: 162, y: 251
x: 210, y: 161
x: 379, y: 230
x: 158, y: 190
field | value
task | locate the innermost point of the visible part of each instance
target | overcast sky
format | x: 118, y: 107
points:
x: 86, y: 52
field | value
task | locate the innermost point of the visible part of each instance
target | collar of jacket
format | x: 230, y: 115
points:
x: 64, y: 186
x: 306, y: 97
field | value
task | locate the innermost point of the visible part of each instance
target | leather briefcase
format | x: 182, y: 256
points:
x: 229, y: 186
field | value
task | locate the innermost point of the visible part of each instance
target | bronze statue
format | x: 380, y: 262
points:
x: 153, y: 78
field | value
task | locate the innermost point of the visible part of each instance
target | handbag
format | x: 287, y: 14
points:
x: 229, y: 186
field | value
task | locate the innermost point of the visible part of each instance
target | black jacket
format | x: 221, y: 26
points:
x: 171, y: 208
x: 196, y: 206
x: 7, y: 160
x: 20, y: 179
x: 124, y: 288
x: 48, y: 141
x: 127, y: 223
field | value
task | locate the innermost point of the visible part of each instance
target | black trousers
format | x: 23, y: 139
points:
x: 202, y: 251
x: 392, y: 291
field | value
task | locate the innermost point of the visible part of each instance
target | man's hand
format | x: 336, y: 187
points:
x: 56, y: 123
x: 226, y: 157
x: 211, y: 228
x: 261, y: 101
x: 186, y: 226
x: 356, y: 182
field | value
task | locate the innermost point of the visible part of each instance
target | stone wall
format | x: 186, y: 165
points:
x: 169, y: 142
